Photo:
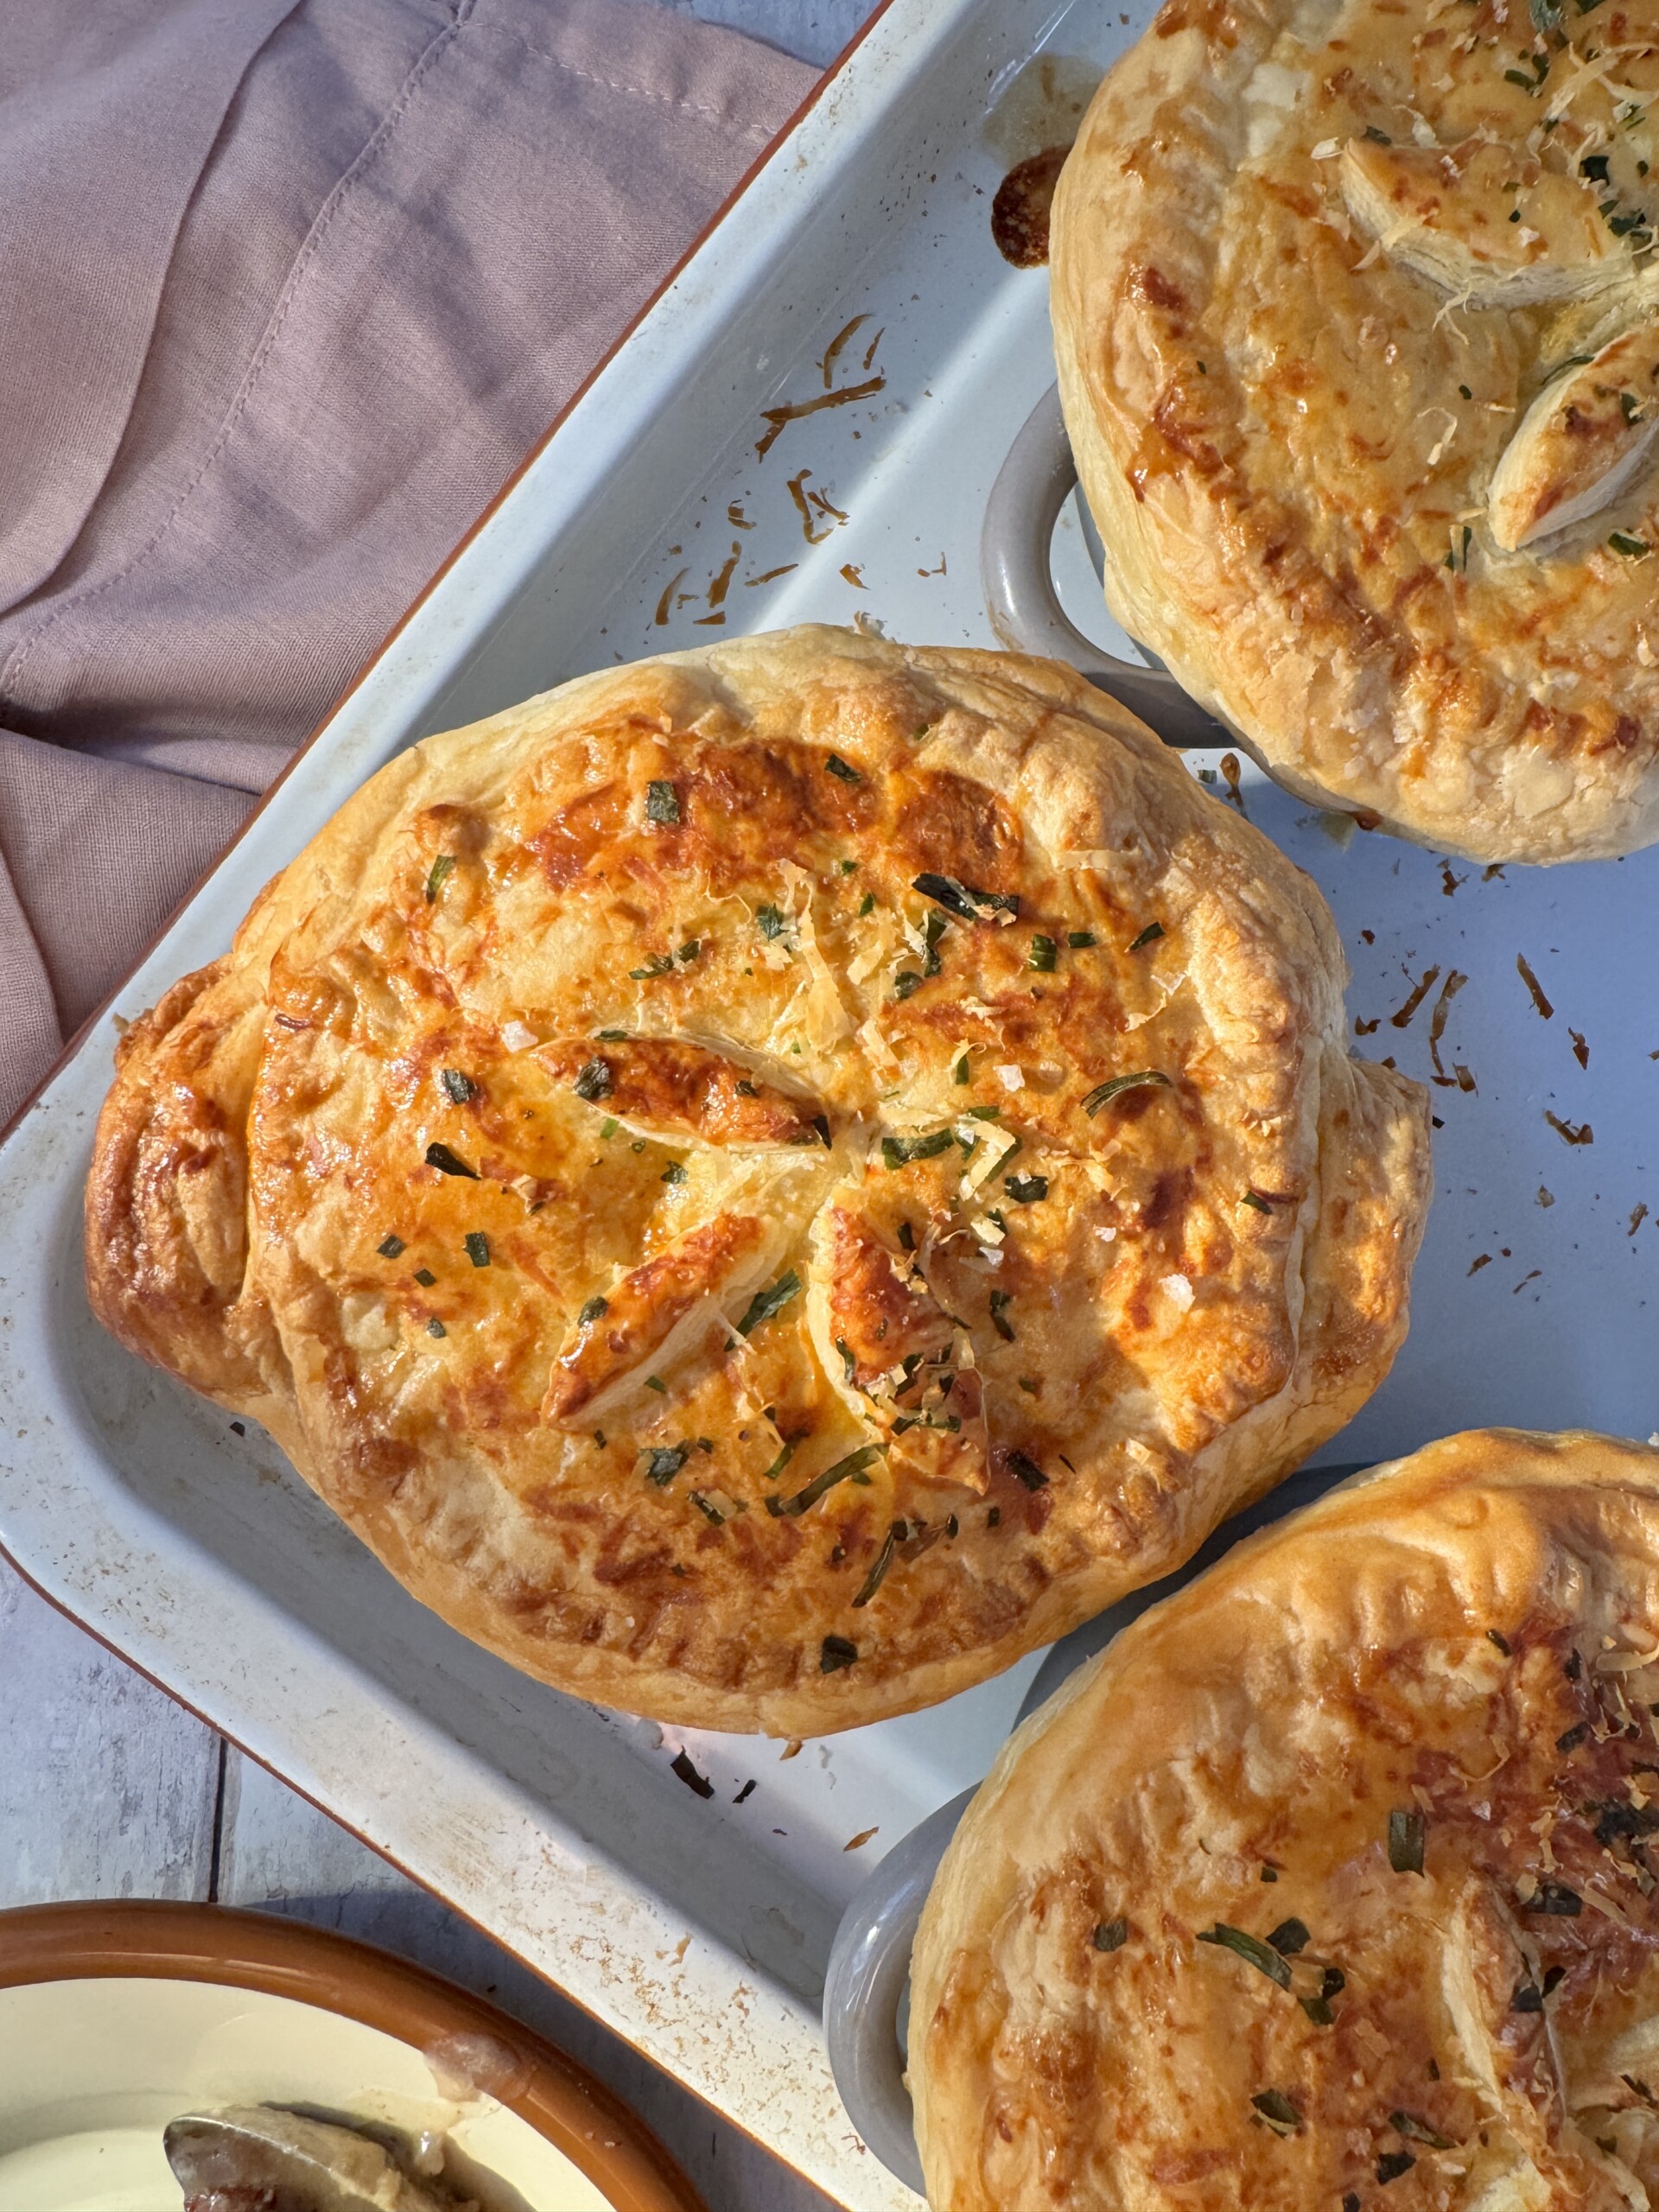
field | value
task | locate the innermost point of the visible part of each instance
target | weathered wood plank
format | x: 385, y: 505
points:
x: 106, y: 1787
x: 279, y: 1852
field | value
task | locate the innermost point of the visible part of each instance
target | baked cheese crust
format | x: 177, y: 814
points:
x: 1358, y: 346
x: 768, y: 1183
x: 1331, y: 1881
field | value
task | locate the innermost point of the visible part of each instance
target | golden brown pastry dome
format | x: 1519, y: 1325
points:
x: 1358, y: 326
x: 1332, y: 1882
x: 766, y: 1184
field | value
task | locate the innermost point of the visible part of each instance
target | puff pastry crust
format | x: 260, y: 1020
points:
x: 1355, y: 317
x: 1331, y: 1881
x: 660, y: 1163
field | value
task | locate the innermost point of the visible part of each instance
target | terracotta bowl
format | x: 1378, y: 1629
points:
x: 115, y: 2017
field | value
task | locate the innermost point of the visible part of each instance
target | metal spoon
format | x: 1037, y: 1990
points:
x: 258, y: 2158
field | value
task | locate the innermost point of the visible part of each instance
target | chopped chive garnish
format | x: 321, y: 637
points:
x: 1556, y: 1902
x: 425, y: 1277
x: 845, y: 769
x: 1276, y: 2109
x: 1633, y: 549
x: 389, y: 1247
x: 966, y: 903
x: 1393, y: 2164
x: 906, y: 1236
x: 849, y: 867
x: 709, y: 1511
x: 435, y: 1328
x: 1150, y: 935
x: 1026, y: 1190
x: 478, y: 1248
x: 1629, y: 408
x: 1078, y: 939
x: 766, y: 1304
x: 612, y: 1036
x: 1289, y: 1937
x: 674, y: 1172
x: 440, y: 1157
x: 1502, y: 1642
x: 780, y: 1462
x: 1026, y: 1472
x: 962, y: 1072
x: 984, y: 1113
x: 690, y: 949
x: 660, y: 963
x: 1251, y: 1948
x: 594, y: 1310
x: 662, y: 805
x: 457, y: 1086
x: 1042, y: 956
x: 655, y: 1383
x: 932, y: 929
x: 1142, y: 1079
x: 897, y: 1152
x: 1111, y: 1935
x: 1000, y: 1321
x: 593, y: 1081
x: 663, y: 1464
x: 1418, y: 2131
x: 1405, y: 1834
x: 608, y: 1126
x: 867, y: 903
x: 839, y: 1470
x: 883, y: 1560
x: 769, y: 920
x: 905, y: 982
x: 1253, y: 1198
x: 436, y: 878
x: 849, y: 1365
x: 835, y: 1653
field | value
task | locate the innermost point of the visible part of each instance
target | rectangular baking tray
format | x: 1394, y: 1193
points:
x: 696, y: 1927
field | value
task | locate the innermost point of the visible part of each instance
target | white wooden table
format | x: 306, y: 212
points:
x: 109, y: 1789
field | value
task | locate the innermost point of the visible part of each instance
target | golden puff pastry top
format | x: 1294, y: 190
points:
x: 1332, y: 1884
x: 768, y: 1183
x: 1357, y: 322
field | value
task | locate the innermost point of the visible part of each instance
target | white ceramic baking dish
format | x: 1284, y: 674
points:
x: 857, y: 261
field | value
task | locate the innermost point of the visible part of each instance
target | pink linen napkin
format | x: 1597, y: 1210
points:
x: 305, y: 283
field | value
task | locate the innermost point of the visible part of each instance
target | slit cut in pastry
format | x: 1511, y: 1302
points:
x: 1317, y: 274
x: 692, y: 1170
x: 1333, y: 1879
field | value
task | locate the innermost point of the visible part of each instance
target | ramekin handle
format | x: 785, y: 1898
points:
x: 1018, y: 579
x: 866, y: 1991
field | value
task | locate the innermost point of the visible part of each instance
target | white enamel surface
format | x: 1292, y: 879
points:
x: 699, y: 1929
x: 91, y: 2072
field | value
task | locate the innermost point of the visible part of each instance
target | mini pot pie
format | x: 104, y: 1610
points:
x: 1331, y: 1883
x: 1358, y: 324
x: 768, y: 1183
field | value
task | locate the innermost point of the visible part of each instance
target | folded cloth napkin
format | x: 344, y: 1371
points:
x: 303, y: 284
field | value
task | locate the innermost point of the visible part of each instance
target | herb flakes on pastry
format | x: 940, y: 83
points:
x: 768, y: 1183
x: 1331, y: 1882
x: 1358, y: 326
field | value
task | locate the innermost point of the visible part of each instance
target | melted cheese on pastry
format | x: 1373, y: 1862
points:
x: 1333, y: 1880
x: 766, y: 1184
x: 1318, y: 272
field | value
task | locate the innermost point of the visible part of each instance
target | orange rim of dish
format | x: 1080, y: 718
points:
x: 129, y: 1939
